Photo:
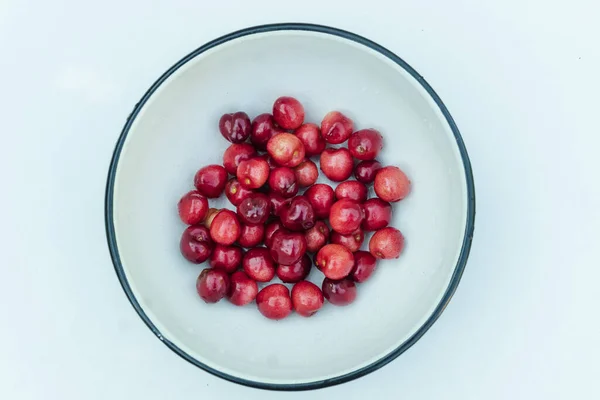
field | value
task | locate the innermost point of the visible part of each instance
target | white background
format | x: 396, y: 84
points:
x: 520, y: 78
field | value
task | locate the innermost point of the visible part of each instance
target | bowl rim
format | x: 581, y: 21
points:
x: 458, y: 269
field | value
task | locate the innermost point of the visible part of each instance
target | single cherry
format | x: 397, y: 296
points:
x: 345, y: 216
x: 242, y: 289
x: 336, y: 128
x: 274, y: 301
x: 235, y: 192
x: 339, y: 293
x: 364, y: 265
x: 317, y: 236
x: 235, y: 127
x: 211, y: 180
x: 337, y: 164
x: 253, y: 173
x: 387, y: 243
x: 263, y: 129
x: 365, y: 144
x: 378, y: 214
x: 286, y: 150
x: 277, y: 202
x: 307, y: 298
x: 351, y: 190
x: 235, y: 154
x: 282, y: 180
x: 270, y: 230
x: 252, y: 235
x: 298, y: 215
x: 295, y: 272
x: 287, y: 247
x: 391, y: 184
x: 365, y: 171
x: 306, y: 173
x: 192, y: 208
x: 258, y: 264
x: 352, y: 241
x: 196, y: 244
x: 212, y: 285
x: 254, y: 209
x: 335, y: 261
x: 321, y: 196
x: 225, y: 228
x: 227, y: 258
x: 310, y: 136
x: 288, y: 112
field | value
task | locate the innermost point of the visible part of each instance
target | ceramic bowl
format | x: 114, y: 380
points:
x: 173, y: 131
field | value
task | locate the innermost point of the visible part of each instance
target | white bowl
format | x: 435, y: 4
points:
x: 173, y: 131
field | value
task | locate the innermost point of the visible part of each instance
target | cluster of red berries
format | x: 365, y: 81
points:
x: 264, y: 189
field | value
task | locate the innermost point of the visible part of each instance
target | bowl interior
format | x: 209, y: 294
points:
x: 176, y: 133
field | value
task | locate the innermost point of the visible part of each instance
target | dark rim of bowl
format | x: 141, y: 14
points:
x: 458, y: 271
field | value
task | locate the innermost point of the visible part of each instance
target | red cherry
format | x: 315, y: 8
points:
x: 365, y: 171
x: 212, y: 285
x: 235, y: 127
x: 298, y: 215
x: 192, y: 208
x: 316, y: 237
x: 253, y: 173
x: 295, y: 272
x: 252, y: 235
x: 337, y: 164
x: 270, y: 230
x: 336, y: 128
x: 274, y: 301
x: 254, y: 209
x: 391, y: 184
x: 364, y: 265
x: 282, y: 180
x: 235, y: 192
x: 195, y: 244
x: 227, y: 258
x: 335, y: 261
x: 387, y: 243
x: 345, y: 216
x: 242, y: 289
x: 306, y: 173
x: 225, y: 228
x: 310, y: 136
x: 235, y: 154
x: 351, y: 190
x: 378, y: 214
x: 263, y: 129
x: 352, y: 242
x: 286, y: 150
x: 211, y: 180
x: 288, y: 112
x: 307, y: 298
x: 287, y: 247
x: 365, y: 144
x: 339, y: 293
x: 259, y: 265
x: 321, y: 197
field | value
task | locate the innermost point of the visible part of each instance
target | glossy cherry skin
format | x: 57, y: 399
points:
x: 235, y: 192
x: 210, y: 216
x: 351, y: 190
x: 307, y: 298
x: 387, y: 243
x: 298, y: 215
x: 254, y: 209
x: 235, y: 127
x: 225, y: 228
x: 195, y: 244
x: 242, y: 289
x: 258, y: 264
x: 364, y: 265
x: 378, y: 214
x: 227, y: 258
x: 307, y: 173
x: 253, y: 173
x: 211, y: 180
x: 339, y: 293
x: 282, y: 180
x: 335, y: 261
x: 277, y: 202
x: 310, y: 136
x: 321, y: 196
x: 336, y: 128
x: 252, y: 235
x: 287, y: 247
x: 352, y: 241
x: 274, y: 301
x: 317, y: 236
x: 391, y: 184
x: 270, y: 230
x: 365, y: 171
x: 212, y: 285
x: 288, y: 112
x: 365, y: 144
x: 337, y: 164
x: 345, y: 216
x: 295, y: 272
x: 192, y: 208
x: 235, y: 154
x: 286, y: 150
x: 263, y: 129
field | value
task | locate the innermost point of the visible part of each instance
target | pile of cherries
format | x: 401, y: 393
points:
x: 268, y: 173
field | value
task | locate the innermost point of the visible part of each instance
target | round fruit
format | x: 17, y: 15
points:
x: 227, y: 258
x: 352, y: 241
x: 242, y: 289
x: 254, y: 209
x: 286, y: 150
x: 321, y: 197
x: 259, y: 265
x: 364, y: 265
x: 263, y: 129
x: 365, y: 144
x: 365, y: 171
x: 225, y: 228
x: 274, y: 301
x: 212, y: 285
x: 211, y: 180
x: 336, y: 128
x: 345, y: 216
x: 235, y: 192
x: 306, y: 173
x: 316, y: 237
x: 252, y: 235
x: 339, y: 293
x: 298, y: 215
x: 337, y: 164
x: 310, y: 136
x: 288, y: 112
x: 378, y: 214
x: 195, y: 244
x: 235, y: 127
x: 351, y: 190
x: 391, y: 184
x: 282, y: 180
x: 307, y: 298
x: 295, y: 272
x: 235, y: 154
x: 335, y: 261
x: 192, y: 208
x: 387, y: 243
x: 287, y: 247
x: 253, y: 173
